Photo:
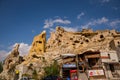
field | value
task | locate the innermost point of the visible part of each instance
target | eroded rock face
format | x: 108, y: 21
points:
x: 12, y: 60
x: 60, y: 42
x: 38, y: 44
x: 63, y: 42
x: 78, y: 42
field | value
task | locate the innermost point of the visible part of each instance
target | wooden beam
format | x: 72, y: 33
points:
x: 93, y: 56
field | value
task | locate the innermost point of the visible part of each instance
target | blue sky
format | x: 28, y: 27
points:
x: 21, y: 20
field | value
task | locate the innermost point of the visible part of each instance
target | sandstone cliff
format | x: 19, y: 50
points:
x: 12, y: 60
x: 78, y: 42
x: 38, y: 44
x: 43, y: 53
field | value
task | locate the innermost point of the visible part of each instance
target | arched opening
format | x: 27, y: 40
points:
x: 89, y: 60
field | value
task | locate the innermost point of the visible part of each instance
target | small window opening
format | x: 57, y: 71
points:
x: 101, y: 36
x: 39, y: 41
x: 76, y: 41
x: 87, y: 40
x: 118, y: 42
x: 109, y: 56
x: 71, y: 38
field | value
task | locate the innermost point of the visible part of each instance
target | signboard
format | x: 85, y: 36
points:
x: 69, y: 65
x: 109, y: 57
x: 95, y: 73
x: 73, y: 75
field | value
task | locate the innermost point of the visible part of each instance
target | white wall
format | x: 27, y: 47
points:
x: 112, y: 58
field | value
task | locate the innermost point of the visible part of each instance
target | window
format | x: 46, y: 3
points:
x: 101, y: 36
x: 109, y: 56
x: 87, y: 40
x: 118, y: 42
x: 39, y: 41
x: 112, y: 67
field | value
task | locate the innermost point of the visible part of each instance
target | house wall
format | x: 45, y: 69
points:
x: 109, y: 57
x: 108, y: 72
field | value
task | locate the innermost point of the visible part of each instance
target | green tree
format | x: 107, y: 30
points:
x: 35, y: 75
x: 53, y: 69
x: 1, y: 67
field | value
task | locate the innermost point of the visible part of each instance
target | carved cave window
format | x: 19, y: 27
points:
x: 60, y: 35
x: 9, y: 61
x: 76, y: 41
x: 40, y: 50
x: 59, y: 41
x: 87, y: 40
x: 101, y: 36
x: 71, y: 38
x: 109, y: 56
x: 81, y: 42
x: 73, y: 44
x: 39, y: 41
x: 118, y: 42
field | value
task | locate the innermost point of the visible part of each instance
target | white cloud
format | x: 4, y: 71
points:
x: 115, y: 8
x: 49, y: 22
x: 102, y: 20
x: 80, y: 15
x: 115, y: 23
x: 23, y: 50
x: 1, y: 46
x: 33, y: 31
x: 3, y: 54
x: 61, y: 21
x: 71, y: 29
x: 104, y: 1
x: 52, y: 30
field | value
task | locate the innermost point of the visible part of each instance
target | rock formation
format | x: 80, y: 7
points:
x: 61, y: 41
x: 38, y: 44
x: 12, y: 60
x: 78, y: 42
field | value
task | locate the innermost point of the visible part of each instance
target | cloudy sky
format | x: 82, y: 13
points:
x: 21, y: 20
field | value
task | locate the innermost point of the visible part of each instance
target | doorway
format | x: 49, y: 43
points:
x: 92, y: 61
x: 112, y: 67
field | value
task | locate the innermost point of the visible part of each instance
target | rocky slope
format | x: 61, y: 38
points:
x: 12, y: 60
x: 43, y: 53
x: 78, y: 42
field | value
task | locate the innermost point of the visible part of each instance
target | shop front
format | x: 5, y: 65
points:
x: 69, y: 67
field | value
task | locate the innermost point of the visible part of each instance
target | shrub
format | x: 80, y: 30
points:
x: 35, y: 75
x: 53, y: 69
x: 1, y: 67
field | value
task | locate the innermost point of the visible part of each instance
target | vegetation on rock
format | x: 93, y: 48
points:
x: 1, y: 67
x: 35, y: 75
x: 53, y: 69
